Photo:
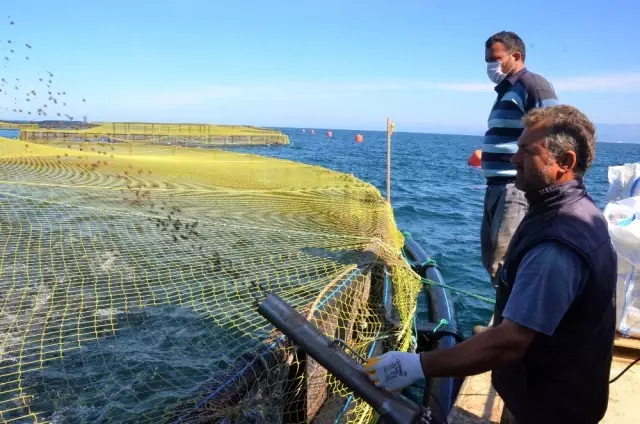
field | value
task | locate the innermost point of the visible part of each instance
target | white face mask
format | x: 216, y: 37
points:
x: 494, y: 71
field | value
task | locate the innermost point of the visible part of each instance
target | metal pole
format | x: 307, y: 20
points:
x: 391, y: 406
x: 389, y: 160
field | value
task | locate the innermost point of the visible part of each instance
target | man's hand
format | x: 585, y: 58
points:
x: 394, y: 370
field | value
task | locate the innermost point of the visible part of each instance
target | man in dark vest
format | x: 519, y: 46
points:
x: 551, y: 344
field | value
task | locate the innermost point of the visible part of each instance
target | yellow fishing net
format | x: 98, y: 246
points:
x: 126, y: 283
x: 193, y: 134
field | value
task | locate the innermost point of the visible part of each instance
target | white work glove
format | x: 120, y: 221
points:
x: 395, y: 370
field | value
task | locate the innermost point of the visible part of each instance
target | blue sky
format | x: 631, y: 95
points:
x: 327, y: 64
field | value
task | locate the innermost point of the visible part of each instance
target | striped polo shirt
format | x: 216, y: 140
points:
x: 517, y: 94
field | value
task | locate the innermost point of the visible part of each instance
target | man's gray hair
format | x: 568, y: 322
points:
x: 569, y: 129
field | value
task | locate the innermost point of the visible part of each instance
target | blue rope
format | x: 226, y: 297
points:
x: 440, y: 324
x: 429, y: 262
x: 346, y: 280
x: 350, y: 398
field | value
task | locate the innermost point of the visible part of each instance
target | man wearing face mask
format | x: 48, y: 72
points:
x: 518, y: 91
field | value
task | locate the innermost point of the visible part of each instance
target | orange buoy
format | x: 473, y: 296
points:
x: 359, y: 138
x: 475, y: 159
x: 329, y: 134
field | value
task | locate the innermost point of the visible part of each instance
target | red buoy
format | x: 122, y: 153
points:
x: 475, y: 159
x: 359, y: 138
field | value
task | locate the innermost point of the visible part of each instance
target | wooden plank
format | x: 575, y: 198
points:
x: 477, y: 402
x: 623, y: 394
x: 627, y: 342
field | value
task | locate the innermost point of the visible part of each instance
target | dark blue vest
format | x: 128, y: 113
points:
x: 564, y: 378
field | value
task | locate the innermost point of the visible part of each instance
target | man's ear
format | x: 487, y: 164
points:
x: 567, y: 161
x: 517, y: 56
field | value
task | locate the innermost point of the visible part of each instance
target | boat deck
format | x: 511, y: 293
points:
x: 478, y: 402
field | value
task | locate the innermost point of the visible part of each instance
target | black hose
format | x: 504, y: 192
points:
x: 440, y: 393
x: 625, y: 370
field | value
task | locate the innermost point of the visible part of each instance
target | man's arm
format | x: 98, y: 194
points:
x: 548, y: 280
x: 498, y: 346
x: 502, y: 345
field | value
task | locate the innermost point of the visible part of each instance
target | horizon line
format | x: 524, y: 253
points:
x: 461, y: 132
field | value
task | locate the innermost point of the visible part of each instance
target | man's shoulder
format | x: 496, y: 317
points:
x: 532, y: 79
x: 551, y: 251
x: 557, y: 258
x: 533, y: 82
x: 538, y: 91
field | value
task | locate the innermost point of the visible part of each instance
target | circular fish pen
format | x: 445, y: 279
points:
x: 128, y: 272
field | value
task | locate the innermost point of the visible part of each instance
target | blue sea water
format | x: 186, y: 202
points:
x: 435, y: 195
x: 163, y: 356
x: 9, y: 133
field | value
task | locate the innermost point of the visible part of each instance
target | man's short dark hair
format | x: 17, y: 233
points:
x: 511, y: 42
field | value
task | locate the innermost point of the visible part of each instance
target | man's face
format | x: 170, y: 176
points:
x: 535, y: 165
x: 497, y: 51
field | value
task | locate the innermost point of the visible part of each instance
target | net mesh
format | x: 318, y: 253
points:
x: 127, y: 274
